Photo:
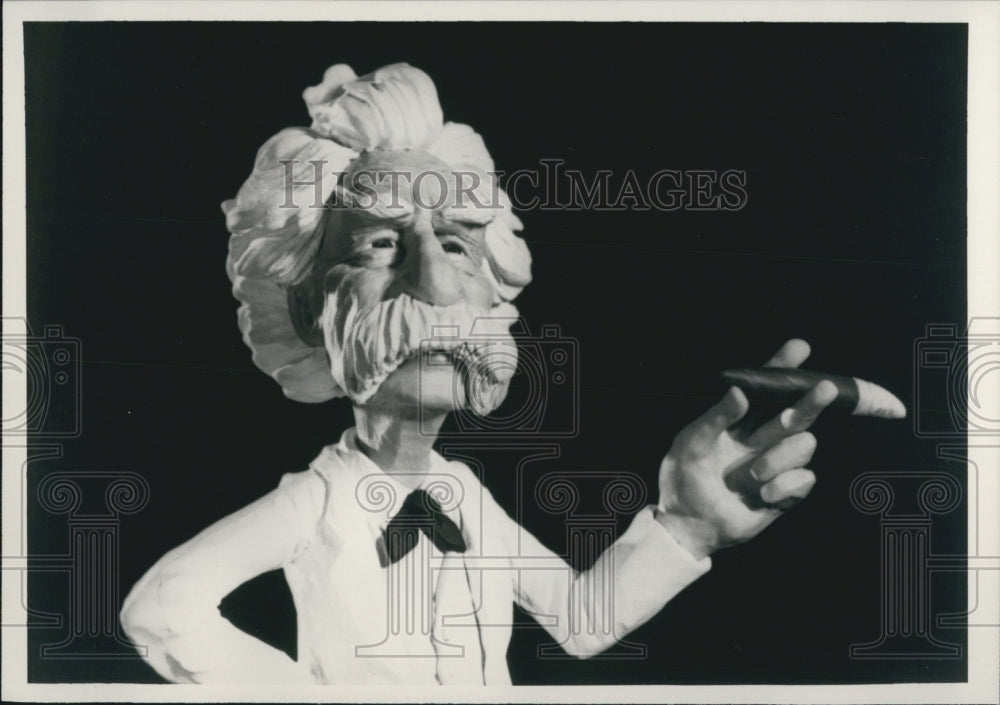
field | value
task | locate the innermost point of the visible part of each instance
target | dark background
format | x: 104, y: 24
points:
x: 853, y: 237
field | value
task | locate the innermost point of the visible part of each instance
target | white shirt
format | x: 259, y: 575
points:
x: 430, y: 618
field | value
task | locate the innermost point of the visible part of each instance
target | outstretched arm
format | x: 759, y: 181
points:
x: 173, y: 610
x: 719, y: 485
x: 586, y: 612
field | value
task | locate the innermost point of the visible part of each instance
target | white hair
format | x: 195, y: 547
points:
x: 274, y: 221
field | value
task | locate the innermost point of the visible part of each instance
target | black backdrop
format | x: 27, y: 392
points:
x: 853, y: 237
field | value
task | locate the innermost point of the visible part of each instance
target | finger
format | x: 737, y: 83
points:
x: 788, y: 488
x: 792, y: 452
x: 797, y: 418
x: 707, y: 427
x: 792, y: 354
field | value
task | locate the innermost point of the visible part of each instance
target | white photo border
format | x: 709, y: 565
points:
x: 983, y: 145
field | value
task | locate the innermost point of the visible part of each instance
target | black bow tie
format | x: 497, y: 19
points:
x: 420, y: 512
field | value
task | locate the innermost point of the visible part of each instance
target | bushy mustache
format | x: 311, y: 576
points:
x: 372, y: 343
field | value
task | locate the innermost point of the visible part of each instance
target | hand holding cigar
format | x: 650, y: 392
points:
x: 786, y: 384
x: 745, y: 461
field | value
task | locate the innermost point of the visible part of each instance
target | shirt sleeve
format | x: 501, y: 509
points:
x: 586, y: 612
x: 172, y: 614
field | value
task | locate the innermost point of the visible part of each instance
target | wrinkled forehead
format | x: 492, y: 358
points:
x: 386, y: 190
x: 392, y: 185
x: 406, y: 160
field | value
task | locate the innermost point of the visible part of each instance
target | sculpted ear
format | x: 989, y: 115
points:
x: 305, y: 304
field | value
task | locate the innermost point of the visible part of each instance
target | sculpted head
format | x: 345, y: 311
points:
x: 396, y: 291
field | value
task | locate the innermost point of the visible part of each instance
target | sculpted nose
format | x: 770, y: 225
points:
x: 430, y: 276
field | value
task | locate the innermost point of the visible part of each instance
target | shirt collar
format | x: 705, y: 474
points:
x: 381, y: 494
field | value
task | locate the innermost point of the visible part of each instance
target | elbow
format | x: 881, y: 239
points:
x: 138, y: 615
x: 581, y: 653
x: 163, y: 604
x: 163, y: 616
x: 585, y: 646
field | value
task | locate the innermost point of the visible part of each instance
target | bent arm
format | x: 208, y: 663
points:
x: 586, y: 612
x: 173, y: 610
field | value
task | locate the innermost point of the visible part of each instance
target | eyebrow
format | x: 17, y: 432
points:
x: 380, y: 212
x: 455, y: 215
x: 373, y: 225
x: 472, y: 217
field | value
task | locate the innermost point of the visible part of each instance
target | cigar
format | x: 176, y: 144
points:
x: 787, y: 384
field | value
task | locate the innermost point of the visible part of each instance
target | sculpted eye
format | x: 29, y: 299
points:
x: 453, y: 248
x: 383, y: 243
